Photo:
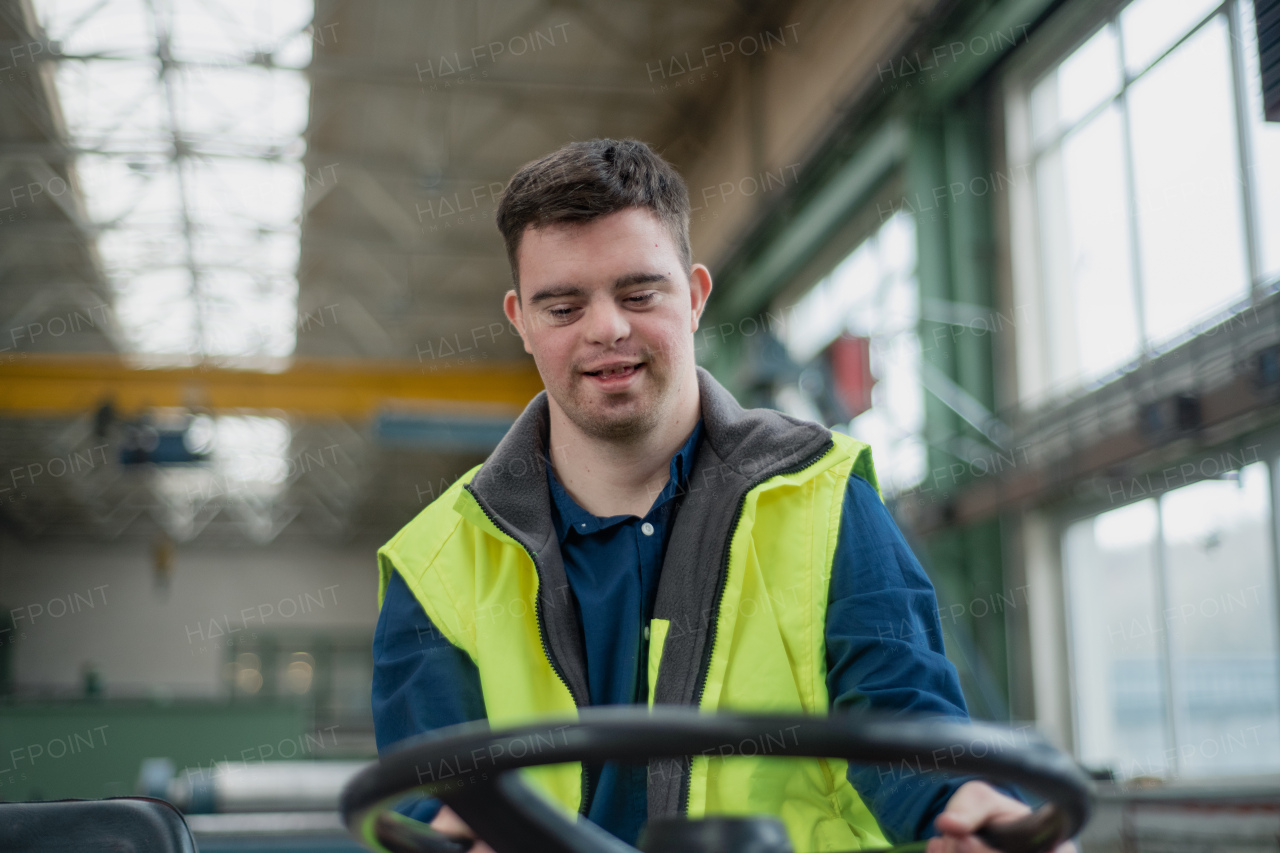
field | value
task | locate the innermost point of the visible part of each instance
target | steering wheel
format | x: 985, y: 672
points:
x: 512, y: 818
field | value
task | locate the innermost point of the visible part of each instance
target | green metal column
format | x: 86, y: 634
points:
x: 926, y: 172
x: 967, y: 145
x: 949, y: 189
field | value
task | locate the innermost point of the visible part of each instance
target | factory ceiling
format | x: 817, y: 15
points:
x: 265, y: 189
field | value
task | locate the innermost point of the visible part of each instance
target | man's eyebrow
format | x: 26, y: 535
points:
x: 639, y: 278
x: 564, y: 290
x: 555, y: 292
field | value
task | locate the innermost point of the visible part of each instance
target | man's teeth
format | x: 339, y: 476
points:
x: 612, y: 371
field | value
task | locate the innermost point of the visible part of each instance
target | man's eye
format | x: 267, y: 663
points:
x: 560, y: 313
x: 640, y: 298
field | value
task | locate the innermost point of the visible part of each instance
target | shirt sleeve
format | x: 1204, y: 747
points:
x: 421, y: 681
x: 885, y: 654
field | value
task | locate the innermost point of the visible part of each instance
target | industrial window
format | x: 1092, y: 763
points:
x: 1172, y: 608
x: 865, y: 309
x: 1154, y: 199
x: 331, y: 671
x: 186, y: 123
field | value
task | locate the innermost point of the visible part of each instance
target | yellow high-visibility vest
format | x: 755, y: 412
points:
x: 739, y: 624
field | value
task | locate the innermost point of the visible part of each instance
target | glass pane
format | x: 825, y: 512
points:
x: 1221, y: 623
x: 1264, y: 171
x: 243, y: 109
x: 1119, y: 683
x: 1149, y: 27
x: 1083, y: 81
x: 113, y: 106
x: 1087, y: 268
x: 119, y: 28
x: 822, y: 314
x: 1191, y: 231
x: 212, y: 30
x: 895, y: 422
x: 156, y: 306
x: 872, y: 293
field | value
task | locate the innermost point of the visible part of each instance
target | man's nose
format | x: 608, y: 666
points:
x: 606, y: 323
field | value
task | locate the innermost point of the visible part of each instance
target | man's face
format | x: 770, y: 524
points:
x: 608, y: 314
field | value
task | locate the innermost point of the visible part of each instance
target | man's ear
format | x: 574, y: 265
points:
x: 511, y: 307
x: 699, y: 291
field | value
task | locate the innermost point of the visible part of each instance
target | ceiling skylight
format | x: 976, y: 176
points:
x: 186, y: 122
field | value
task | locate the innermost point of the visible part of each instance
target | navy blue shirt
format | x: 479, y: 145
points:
x: 613, y: 565
x: 884, y: 647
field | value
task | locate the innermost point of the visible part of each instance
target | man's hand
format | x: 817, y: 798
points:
x: 448, y: 822
x: 975, y: 804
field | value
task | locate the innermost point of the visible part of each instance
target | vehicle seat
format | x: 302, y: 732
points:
x: 115, y: 824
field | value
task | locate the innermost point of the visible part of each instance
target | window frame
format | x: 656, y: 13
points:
x: 1063, y: 517
x: 1030, y: 367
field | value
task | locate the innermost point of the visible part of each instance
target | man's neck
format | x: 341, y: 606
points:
x: 610, y: 478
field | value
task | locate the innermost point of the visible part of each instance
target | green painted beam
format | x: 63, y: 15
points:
x: 1011, y: 16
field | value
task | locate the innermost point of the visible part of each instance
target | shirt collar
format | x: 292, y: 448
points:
x: 568, y: 515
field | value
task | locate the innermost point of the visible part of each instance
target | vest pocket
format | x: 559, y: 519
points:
x: 657, y: 638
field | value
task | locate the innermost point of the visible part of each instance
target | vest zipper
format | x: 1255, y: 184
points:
x: 704, y: 669
x: 542, y: 634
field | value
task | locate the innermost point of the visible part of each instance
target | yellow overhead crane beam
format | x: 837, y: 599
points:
x: 35, y: 385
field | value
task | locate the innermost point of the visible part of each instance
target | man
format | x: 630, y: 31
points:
x: 639, y: 537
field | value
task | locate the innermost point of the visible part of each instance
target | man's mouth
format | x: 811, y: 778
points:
x: 615, y: 371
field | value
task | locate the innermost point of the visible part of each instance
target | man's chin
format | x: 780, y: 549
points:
x: 613, y: 415
x: 616, y: 423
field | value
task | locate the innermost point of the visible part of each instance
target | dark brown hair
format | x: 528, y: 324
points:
x: 586, y: 180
